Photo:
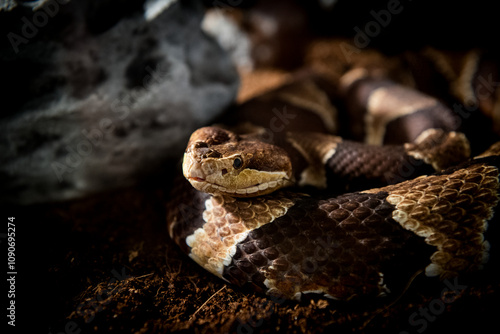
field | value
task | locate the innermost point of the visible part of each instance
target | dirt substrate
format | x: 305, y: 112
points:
x: 106, y: 264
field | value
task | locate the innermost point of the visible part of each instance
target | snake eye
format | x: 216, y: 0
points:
x: 237, y: 163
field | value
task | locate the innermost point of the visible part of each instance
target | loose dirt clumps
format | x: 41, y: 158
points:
x: 114, y: 268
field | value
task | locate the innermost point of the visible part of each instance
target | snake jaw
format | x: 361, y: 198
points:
x: 215, y: 176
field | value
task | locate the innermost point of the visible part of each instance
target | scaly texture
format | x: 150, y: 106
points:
x: 358, y: 244
x: 339, y: 247
x: 361, y: 244
x: 450, y: 211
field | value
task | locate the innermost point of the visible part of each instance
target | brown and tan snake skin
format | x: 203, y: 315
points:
x: 277, y: 203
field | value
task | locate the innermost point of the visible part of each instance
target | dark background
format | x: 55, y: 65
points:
x: 66, y: 251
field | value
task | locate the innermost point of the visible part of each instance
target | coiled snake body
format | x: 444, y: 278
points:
x: 254, y: 217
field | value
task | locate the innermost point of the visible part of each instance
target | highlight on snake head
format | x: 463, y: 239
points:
x: 218, y: 161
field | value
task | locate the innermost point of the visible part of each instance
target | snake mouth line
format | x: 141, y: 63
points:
x: 254, y: 189
x: 197, y: 179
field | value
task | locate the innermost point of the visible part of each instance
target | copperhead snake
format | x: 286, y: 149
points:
x: 277, y: 203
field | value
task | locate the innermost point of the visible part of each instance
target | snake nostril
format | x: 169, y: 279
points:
x: 224, y: 171
x: 213, y: 154
x: 200, y: 144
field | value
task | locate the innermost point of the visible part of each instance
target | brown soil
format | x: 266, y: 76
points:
x: 106, y: 264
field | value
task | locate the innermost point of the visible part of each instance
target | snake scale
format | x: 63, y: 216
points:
x: 277, y: 203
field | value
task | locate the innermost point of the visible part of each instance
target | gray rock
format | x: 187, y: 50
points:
x: 108, y: 109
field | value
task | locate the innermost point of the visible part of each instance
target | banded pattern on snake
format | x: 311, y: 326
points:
x: 290, y: 209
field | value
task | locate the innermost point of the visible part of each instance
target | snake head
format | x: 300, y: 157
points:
x: 218, y: 161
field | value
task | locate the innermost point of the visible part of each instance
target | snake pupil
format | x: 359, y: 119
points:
x: 237, y: 163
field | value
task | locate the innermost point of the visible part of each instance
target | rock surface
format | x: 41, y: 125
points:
x: 90, y: 107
